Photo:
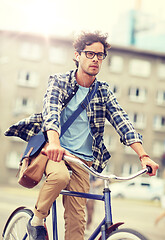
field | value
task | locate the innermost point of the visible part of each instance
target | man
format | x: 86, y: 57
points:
x: 83, y: 139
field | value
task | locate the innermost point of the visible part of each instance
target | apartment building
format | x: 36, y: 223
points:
x: 137, y: 78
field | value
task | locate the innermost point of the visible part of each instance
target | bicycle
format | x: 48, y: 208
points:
x: 15, y: 227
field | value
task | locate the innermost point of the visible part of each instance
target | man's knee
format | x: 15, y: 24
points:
x: 61, y: 178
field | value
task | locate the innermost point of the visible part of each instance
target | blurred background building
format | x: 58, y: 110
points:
x: 137, y: 77
x: 140, y: 28
x: 134, y: 69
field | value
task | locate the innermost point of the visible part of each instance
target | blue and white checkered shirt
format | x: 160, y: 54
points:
x: 103, y: 106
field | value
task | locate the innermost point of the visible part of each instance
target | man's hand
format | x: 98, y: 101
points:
x: 146, y: 161
x: 53, y: 150
x: 55, y: 153
x: 144, y: 158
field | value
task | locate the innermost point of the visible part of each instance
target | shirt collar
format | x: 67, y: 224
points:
x: 74, y: 82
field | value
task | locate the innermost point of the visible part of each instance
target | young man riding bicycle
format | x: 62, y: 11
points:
x: 83, y: 139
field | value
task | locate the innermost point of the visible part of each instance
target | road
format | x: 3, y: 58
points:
x: 139, y: 215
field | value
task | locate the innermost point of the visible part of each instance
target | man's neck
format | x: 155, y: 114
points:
x: 84, y: 79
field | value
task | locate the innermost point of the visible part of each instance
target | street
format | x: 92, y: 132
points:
x: 139, y: 215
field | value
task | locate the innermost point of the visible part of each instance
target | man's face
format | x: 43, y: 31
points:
x: 90, y: 66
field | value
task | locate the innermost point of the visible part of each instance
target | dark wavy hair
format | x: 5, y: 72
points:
x: 88, y: 38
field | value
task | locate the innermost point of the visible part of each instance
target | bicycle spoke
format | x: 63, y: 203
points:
x: 16, y: 228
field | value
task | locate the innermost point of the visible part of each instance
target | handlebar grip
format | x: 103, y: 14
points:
x: 149, y: 169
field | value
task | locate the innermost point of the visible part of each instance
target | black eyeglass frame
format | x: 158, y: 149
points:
x: 94, y: 54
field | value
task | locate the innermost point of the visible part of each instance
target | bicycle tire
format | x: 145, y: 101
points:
x: 126, y: 234
x: 16, y: 226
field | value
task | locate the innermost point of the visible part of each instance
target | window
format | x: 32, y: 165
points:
x: 137, y: 94
x: 138, y: 120
x: 4, y: 59
x: 57, y: 55
x: 161, y: 71
x: 116, y: 64
x: 12, y: 160
x: 30, y: 51
x: 115, y: 89
x: 28, y: 79
x: 131, y: 184
x: 17, y: 140
x: 129, y: 150
x: 24, y: 105
x: 160, y: 98
x: 140, y: 68
x: 158, y: 148
x: 145, y: 185
x: 109, y: 169
x: 129, y: 169
x: 110, y: 142
x: 159, y: 123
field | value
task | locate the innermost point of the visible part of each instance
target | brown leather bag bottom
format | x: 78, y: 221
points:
x: 32, y: 170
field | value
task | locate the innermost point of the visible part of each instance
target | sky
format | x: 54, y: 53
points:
x: 65, y: 17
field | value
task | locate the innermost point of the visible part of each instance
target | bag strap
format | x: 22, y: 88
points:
x: 66, y: 100
x: 80, y: 108
x: 36, y: 142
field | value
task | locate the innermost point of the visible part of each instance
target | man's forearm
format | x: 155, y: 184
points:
x: 138, y: 148
x: 53, y: 137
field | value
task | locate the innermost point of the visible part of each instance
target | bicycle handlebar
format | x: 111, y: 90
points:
x: 105, y: 177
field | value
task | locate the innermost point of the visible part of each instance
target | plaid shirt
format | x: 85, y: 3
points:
x: 103, y: 106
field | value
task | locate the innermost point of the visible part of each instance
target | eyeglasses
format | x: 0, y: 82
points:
x: 91, y: 55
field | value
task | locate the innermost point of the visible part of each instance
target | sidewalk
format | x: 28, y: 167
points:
x: 17, y: 190
x: 138, y: 215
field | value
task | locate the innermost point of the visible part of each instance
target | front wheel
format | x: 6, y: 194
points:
x: 16, y: 225
x: 126, y: 234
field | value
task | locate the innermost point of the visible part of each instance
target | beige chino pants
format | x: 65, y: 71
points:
x: 58, y: 178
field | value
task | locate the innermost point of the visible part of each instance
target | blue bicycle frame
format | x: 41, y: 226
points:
x: 105, y: 227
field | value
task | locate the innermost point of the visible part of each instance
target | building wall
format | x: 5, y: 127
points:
x: 26, y: 61
x: 141, y: 77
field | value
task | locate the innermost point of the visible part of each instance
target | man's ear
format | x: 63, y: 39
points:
x: 77, y: 55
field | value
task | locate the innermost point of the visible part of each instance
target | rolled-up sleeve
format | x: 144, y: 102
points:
x: 131, y: 137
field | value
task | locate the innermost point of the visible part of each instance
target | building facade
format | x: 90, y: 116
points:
x: 137, y: 78
x: 139, y: 29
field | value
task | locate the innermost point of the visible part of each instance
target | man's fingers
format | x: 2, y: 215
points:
x: 43, y: 151
x: 54, y: 154
x: 60, y: 155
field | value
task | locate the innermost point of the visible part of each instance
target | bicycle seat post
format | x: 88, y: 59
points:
x: 107, y: 200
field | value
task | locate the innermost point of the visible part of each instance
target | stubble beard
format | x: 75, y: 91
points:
x: 92, y: 74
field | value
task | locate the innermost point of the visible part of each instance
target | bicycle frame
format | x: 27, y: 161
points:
x: 105, y: 226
